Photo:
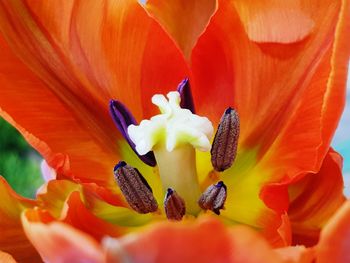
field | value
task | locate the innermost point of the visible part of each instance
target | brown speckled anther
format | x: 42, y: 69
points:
x: 135, y: 189
x: 224, y: 148
x: 174, y: 205
x: 214, y: 198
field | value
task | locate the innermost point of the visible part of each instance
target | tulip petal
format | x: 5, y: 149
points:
x: 335, y: 237
x: 288, y: 92
x: 285, y: 230
x: 81, y: 216
x: 266, y: 22
x: 76, y: 67
x: 311, y: 199
x: 6, y: 258
x: 48, y: 125
x: 297, y: 254
x: 231, y: 70
x: 183, y: 20
x: 12, y: 238
x: 88, y: 204
x: 206, y: 240
x: 123, y: 50
x: 55, y: 196
x: 315, y: 198
x: 58, y: 242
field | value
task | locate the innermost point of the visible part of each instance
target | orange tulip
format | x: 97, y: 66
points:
x: 282, y: 65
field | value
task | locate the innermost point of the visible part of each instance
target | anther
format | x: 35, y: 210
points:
x: 135, y: 188
x: 224, y: 148
x: 174, y: 205
x: 123, y: 118
x: 184, y: 89
x: 214, y: 198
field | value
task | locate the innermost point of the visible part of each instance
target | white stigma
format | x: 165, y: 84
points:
x: 173, y: 127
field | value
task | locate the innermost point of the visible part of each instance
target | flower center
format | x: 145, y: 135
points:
x: 170, y: 140
x: 173, y: 136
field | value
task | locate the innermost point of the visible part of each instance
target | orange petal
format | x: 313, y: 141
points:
x: 58, y: 242
x: 274, y: 227
x: 122, y: 54
x: 56, y: 192
x: 62, y: 134
x: 122, y: 50
x: 81, y: 218
x: 12, y: 238
x: 335, y: 238
x: 205, y: 240
x: 266, y: 21
x: 311, y: 199
x: 55, y: 196
x: 99, y: 219
x: 288, y: 92
x: 89, y: 205
x: 6, y: 258
x: 183, y: 20
x: 305, y: 86
x: 285, y: 230
x: 297, y: 254
x: 315, y: 198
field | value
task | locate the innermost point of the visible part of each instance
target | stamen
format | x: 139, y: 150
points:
x: 135, y: 188
x: 122, y: 118
x: 214, y: 198
x: 184, y: 89
x: 224, y: 148
x: 174, y: 205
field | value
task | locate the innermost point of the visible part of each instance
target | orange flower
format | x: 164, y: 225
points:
x: 281, y: 65
x: 160, y: 243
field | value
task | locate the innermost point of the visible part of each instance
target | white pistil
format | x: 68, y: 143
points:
x: 173, y: 135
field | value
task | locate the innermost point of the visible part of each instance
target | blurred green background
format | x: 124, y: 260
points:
x: 19, y: 163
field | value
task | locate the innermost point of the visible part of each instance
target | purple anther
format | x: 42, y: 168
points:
x: 122, y: 118
x: 184, y: 89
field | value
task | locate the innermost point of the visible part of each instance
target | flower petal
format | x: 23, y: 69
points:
x: 315, y: 198
x: 183, y: 20
x: 335, y: 237
x: 288, y: 132
x: 266, y: 21
x: 206, y: 240
x: 6, y: 258
x: 311, y: 199
x: 55, y: 196
x: 49, y: 126
x: 231, y: 70
x: 80, y: 217
x: 91, y: 208
x: 58, y: 242
x: 12, y: 238
x: 297, y: 254
x: 122, y: 53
